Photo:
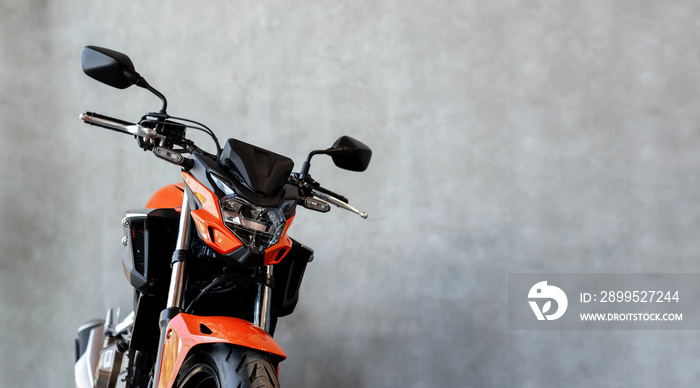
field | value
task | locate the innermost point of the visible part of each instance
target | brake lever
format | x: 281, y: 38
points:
x: 337, y: 202
x: 332, y: 194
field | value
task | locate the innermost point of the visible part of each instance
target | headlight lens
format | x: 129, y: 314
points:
x: 257, y: 227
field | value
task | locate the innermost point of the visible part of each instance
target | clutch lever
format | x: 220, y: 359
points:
x: 337, y: 202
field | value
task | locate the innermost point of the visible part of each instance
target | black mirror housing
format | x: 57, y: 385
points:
x: 350, y: 154
x: 108, y: 66
x: 347, y: 153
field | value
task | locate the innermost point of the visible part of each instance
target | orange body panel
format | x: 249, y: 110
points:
x: 208, y: 219
x: 169, y: 196
x: 277, y: 252
x: 185, y: 332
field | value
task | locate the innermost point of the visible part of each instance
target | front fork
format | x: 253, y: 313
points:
x: 263, y: 300
x: 177, y: 281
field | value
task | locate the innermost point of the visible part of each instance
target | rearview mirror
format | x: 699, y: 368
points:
x: 108, y: 66
x: 350, y: 154
x: 114, y: 69
x: 347, y: 153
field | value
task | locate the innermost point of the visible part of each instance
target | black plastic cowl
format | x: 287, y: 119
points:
x: 262, y: 171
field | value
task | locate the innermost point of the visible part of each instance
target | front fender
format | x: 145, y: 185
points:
x: 186, y: 331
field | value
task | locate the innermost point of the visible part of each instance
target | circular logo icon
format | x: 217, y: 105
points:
x: 546, y: 293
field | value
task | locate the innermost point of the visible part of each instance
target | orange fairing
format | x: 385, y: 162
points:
x: 208, y: 219
x: 211, y: 226
x: 276, y: 253
x: 169, y: 196
x: 186, y: 331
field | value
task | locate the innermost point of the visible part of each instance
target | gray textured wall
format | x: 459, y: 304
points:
x: 508, y: 136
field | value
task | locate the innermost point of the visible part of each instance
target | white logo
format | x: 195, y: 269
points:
x: 542, y: 291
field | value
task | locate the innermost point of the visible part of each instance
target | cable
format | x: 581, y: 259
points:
x: 223, y: 279
x: 204, y: 129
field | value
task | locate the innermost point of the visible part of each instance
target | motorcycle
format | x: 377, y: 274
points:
x: 209, y: 258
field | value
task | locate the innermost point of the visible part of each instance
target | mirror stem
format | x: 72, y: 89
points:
x: 162, y: 98
x: 305, y: 168
x: 142, y: 83
x: 307, y: 164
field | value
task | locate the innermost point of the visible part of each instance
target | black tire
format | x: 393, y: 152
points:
x: 227, y: 366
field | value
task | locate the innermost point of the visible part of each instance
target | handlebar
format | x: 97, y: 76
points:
x: 305, y: 183
x: 161, y: 148
x: 118, y: 125
x: 309, y: 188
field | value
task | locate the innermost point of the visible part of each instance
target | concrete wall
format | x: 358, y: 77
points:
x: 508, y: 136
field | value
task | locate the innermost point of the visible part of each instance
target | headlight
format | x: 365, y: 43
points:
x: 257, y: 227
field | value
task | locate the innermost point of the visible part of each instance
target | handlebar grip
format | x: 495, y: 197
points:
x: 118, y: 125
x: 93, y: 115
x: 105, y: 122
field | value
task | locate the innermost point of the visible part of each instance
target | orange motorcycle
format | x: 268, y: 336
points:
x: 210, y: 258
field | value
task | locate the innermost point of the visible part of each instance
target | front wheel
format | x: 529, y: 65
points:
x: 227, y: 366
